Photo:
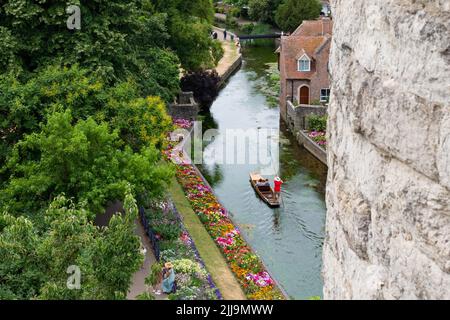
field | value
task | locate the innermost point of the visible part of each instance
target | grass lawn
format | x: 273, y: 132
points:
x: 214, y: 261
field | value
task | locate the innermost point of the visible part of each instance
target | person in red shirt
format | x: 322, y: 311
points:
x: 278, y: 182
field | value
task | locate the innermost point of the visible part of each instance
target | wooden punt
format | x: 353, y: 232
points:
x: 265, y: 193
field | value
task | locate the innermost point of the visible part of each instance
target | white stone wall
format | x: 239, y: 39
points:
x: 388, y: 197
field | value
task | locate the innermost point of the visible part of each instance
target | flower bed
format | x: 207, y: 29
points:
x: 245, y: 264
x: 319, y: 137
x: 177, y: 247
x: 182, y: 123
x: 317, y: 127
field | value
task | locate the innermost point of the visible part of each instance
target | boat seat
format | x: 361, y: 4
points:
x: 265, y: 189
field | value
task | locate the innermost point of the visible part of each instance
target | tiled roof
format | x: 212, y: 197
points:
x: 310, y: 37
x: 314, y: 27
x: 293, y: 48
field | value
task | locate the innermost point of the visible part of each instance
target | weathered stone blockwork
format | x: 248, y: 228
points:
x: 297, y: 116
x: 185, y: 107
x: 388, y: 197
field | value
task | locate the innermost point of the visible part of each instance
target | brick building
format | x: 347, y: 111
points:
x: 303, y: 64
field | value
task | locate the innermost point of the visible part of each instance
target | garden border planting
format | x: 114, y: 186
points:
x: 184, y: 238
x: 248, y: 267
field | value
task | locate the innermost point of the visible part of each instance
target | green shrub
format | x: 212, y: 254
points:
x: 168, y: 231
x: 217, y: 51
x: 231, y: 22
x: 154, y: 276
x: 146, y: 296
x: 168, y: 255
x: 317, y: 123
x: 247, y: 28
x: 235, y: 12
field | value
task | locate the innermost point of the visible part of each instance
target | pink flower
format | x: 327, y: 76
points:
x: 182, y: 123
x: 261, y: 279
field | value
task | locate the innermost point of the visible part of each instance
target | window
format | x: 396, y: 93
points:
x: 324, y: 95
x: 304, y: 64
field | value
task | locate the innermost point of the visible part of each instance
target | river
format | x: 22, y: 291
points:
x: 288, y: 239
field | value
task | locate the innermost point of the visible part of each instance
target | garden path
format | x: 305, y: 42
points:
x: 230, y: 55
x: 138, y: 285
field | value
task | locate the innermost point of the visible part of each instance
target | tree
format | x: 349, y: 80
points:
x: 263, y: 10
x: 204, y: 85
x: 118, y: 41
x: 85, y: 161
x: 189, y: 26
x: 24, y: 105
x: 140, y: 122
x: 36, y: 256
x: 291, y: 13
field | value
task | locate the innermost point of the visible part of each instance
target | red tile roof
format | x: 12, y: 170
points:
x: 294, y: 47
x: 314, y: 27
x: 310, y: 37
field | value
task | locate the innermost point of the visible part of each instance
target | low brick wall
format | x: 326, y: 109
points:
x: 311, y: 146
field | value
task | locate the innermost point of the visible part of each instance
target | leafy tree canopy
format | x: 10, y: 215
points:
x: 35, y: 260
x: 291, y: 13
x: 115, y: 39
x: 85, y: 161
x: 24, y: 105
x: 263, y: 10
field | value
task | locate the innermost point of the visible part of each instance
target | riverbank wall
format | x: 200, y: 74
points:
x: 232, y: 69
x: 297, y: 123
x: 232, y: 58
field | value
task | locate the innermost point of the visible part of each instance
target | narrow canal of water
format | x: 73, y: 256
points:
x: 288, y: 239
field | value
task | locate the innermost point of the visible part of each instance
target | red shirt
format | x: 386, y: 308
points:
x: 278, y: 186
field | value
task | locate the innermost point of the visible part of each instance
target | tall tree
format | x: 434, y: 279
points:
x: 263, y: 10
x: 115, y: 41
x: 36, y: 256
x: 85, y: 161
x: 291, y: 13
x: 189, y: 25
x: 24, y: 105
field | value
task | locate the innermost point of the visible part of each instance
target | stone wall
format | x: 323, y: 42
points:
x: 234, y: 67
x: 388, y: 194
x: 184, y: 107
x: 316, y: 150
x: 297, y: 122
x: 297, y: 116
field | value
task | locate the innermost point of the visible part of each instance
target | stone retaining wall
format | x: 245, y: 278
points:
x: 185, y: 107
x: 316, y: 150
x: 230, y: 71
x: 297, y: 123
x: 297, y: 115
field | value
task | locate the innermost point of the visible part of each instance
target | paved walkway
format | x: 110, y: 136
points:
x: 231, y: 53
x: 212, y: 257
x: 138, y: 285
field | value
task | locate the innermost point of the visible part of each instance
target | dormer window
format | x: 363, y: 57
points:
x: 304, y: 64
